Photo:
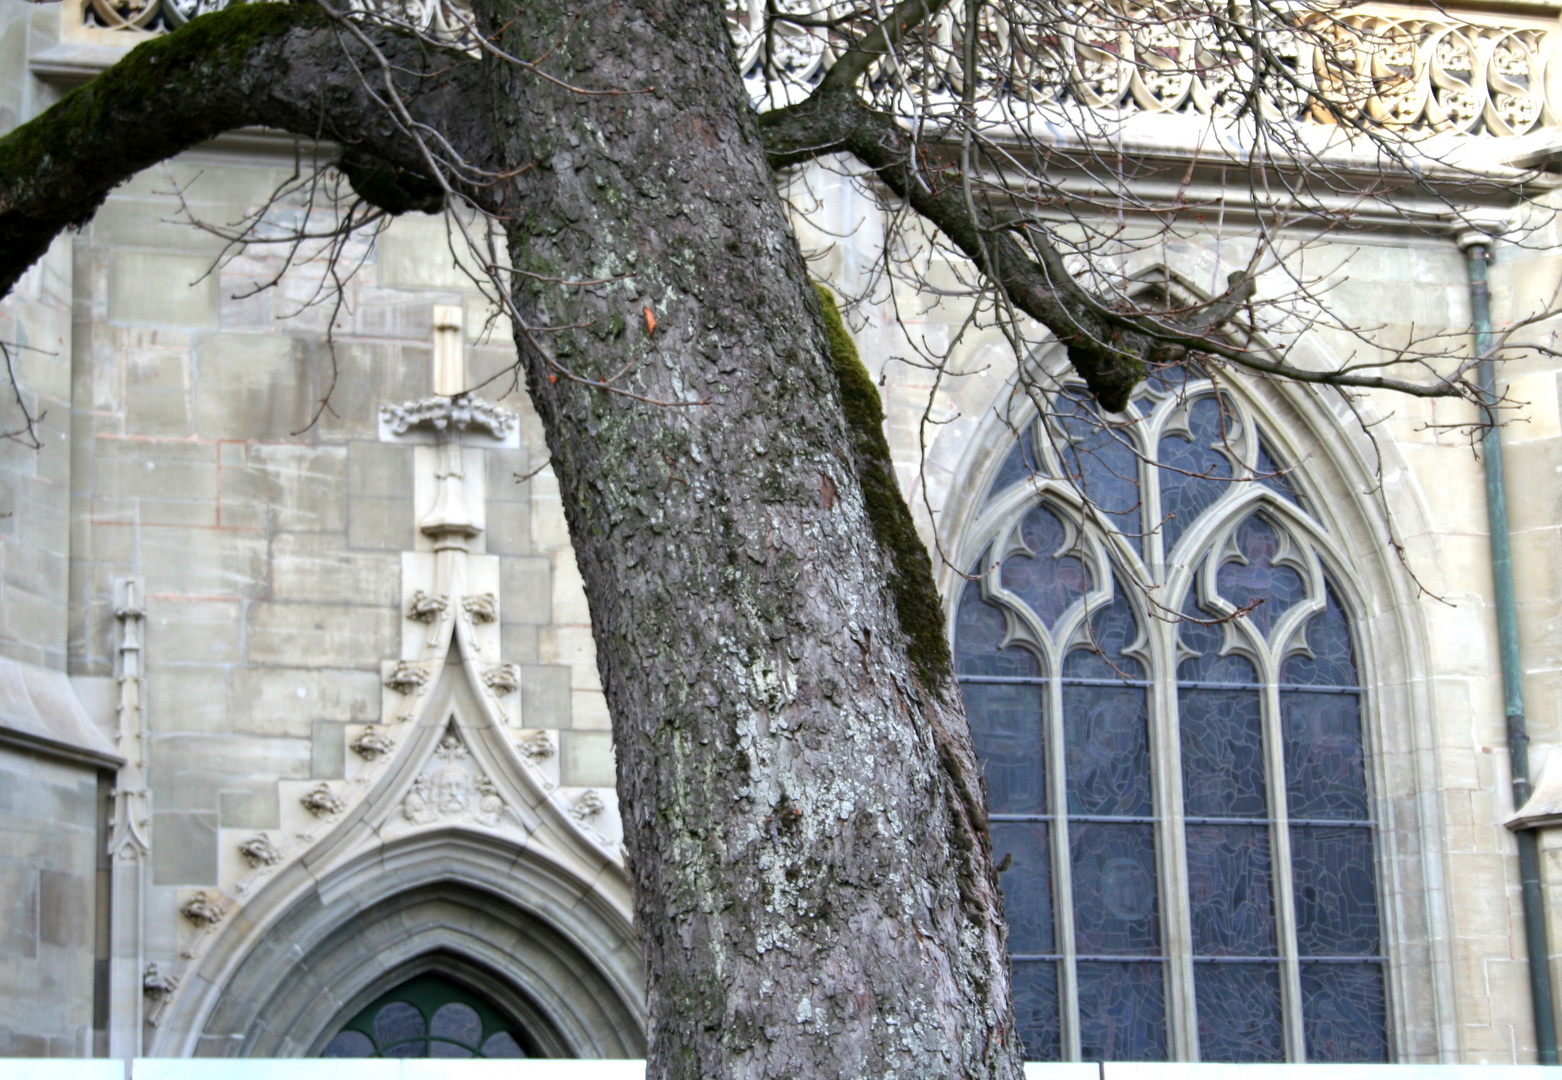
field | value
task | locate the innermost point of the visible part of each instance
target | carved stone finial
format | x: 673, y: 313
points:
x: 536, y: 746
x: 483, y: 608
x: 587, y: 806
x: 157, y: 985
x: 407, y: 677
x: 425, y: 608
x: 203, y: 909
x: 371, y: 744
x: 323, y: 802
x: 504, y: 679
x: 259, y: 851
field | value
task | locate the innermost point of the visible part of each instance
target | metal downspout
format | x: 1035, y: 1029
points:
x: 1477, y: 250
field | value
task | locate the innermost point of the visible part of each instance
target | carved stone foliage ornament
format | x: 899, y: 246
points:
x: 203, y: 909
x: 587, y: 806
x: 504, y: 679
x: 460, y: 413
x: 425, y: 608
x: 536, y: 746
x: 371, y: 744
x: 453, y: 787
x: 323, y: 802
x: 482, y: 608
x: 259, y: 851
x: 407, y: 677
x: 156, y: 984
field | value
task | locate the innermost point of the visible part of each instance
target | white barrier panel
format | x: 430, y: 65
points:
x: 1062, y: 1070
x: 1179, y: 1070
x: 61, y: 1069
x: 262, y: 1069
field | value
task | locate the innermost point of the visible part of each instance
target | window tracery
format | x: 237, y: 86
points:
x: 427, y: 1017
x: 1158, y: 664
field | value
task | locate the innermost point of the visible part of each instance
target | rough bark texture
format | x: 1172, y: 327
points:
x: 809, y: 850
x: 801, y: 798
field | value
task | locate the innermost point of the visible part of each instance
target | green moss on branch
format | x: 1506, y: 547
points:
x: 910, y: 570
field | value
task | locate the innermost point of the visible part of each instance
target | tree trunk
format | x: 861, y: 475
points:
x: 802, y: 814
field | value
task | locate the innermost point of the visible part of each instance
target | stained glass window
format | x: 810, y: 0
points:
x: 1152, y: 603
x: 428, y: 1017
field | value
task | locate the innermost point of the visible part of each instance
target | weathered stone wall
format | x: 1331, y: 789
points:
x: 50, y: 815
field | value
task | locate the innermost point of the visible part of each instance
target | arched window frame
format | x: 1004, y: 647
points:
x: 1142, y: 570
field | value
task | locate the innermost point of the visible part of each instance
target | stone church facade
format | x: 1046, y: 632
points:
x: 302, y: 739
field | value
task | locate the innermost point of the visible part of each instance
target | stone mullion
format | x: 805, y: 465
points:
x: 1062, y: 870
x: 1182, y: 1021
x: 1280, y: 863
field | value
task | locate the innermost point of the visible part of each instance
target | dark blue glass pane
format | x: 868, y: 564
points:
x: 1027, y: 884
x: 1265, y: 590
x: 1222, y: 753
x: 1343, y: 1017
x: 1100, y: 461
x: 1112, y: 629
x: 1194, y: 473
x: 1168, y: 379
x: 1239, y: 1012
x: 1122, y: 1012
x: 1333, y: 662
x: 1114, y: 889
x: 1204, y: 635
x: 1006, y: 728
x: 1274, y: 477
x: 1336, y: 903
x: 1108, y: 750
x: 1036, y: 1009
x: 1048, y: 584
x: 349, y: 1044
x: 1021, y: 464
x: 979, y: 630
x: 1229, y: 890
x: 408, y: 1050
x: 398, y: 1022
x: 1325, y: 774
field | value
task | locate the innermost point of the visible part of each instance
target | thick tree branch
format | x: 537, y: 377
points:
x: 1112, y: 350
x: 860, y: 56
x: 282, y: 66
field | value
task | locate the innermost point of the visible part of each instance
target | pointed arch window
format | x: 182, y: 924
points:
x: 1159, y: 668
x: 428, y: 1017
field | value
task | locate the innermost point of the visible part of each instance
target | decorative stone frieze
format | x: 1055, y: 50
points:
x: 259, y: 851
x: 371, y: 745
x: 407, y: 677
x: 203, y: 909
x: 587, y: 806
x: 461, y: 413
x: 425, y: 608
x: 323, y: 802
x: 453, y: 787
x: 483, y: 608
x: 504, y: 679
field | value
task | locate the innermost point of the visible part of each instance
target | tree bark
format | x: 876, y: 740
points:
x: 801, y: 803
